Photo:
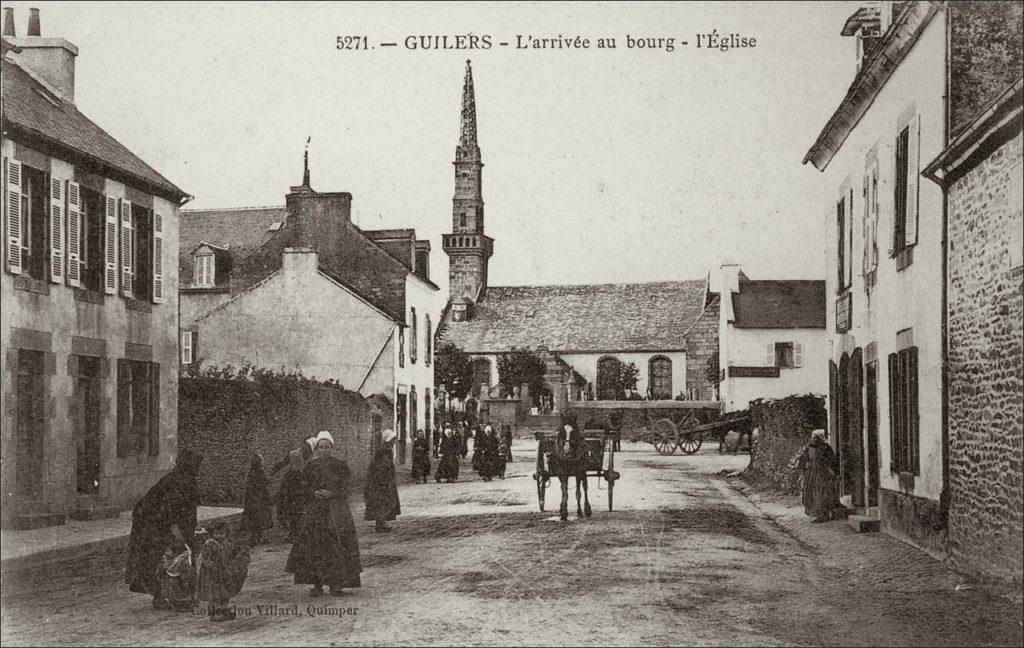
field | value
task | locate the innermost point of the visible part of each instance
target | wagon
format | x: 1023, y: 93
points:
x: 601, y: 444
x: 669, y: 425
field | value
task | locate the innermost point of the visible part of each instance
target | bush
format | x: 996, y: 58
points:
x: 785, y: 426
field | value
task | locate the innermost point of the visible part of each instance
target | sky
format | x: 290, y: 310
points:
x: 601, y: 165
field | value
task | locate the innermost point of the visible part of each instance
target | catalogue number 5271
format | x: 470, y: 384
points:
x: 352, y: 43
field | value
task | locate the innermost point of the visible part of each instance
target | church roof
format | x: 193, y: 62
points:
x: 779, y: 304
x: 581, y: 318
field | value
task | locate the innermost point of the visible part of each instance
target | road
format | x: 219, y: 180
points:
x: 684, y: 559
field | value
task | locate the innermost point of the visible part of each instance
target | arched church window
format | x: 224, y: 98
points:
x: 660, y: 372
x: 481, y: 377
x: 608, y: 378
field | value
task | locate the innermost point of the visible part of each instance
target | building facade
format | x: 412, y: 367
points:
x: 886, y: 255
x: 982, y: 175
x: 300, y: 288
x: 90, y: 308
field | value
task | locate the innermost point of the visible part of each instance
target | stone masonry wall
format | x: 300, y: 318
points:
x: 227, y: 420
x: 702, y: 342
x: 986, y: 371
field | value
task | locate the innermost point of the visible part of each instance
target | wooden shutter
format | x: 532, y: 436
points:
x: 769, y: 354
x: 798, y: 355
x: 866, y: 226
x: 840, y: 232
x: 153, y: 442
x: 186, y: 347
x: 913, y: 174
x: 74, y: 259
x: 56, y: 231
x: 123, y: 407
x: 158, y: 258
x: 913, y: 415
x: 110, y: 237
x: 833, y: 399
x: 894, y: 414
x: 127, y: 249
x: 873, y: 220
x: 13, y: 217
x: 849, y: 238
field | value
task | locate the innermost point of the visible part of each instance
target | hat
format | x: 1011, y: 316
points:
x: 324, y: 435
x: 819, y: 433
x: 388, y: 435
x: 312, y: 442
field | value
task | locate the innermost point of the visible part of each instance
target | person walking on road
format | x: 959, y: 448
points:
x: 819, y: 477
x: 381, y: 492
x: 448, y: 468
x: 257, y: 514
x: 420, y: 457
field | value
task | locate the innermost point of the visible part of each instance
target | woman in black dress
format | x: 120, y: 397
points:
x: 327, y: 549
x: 420, y: 457
x: 448, y: 468
x: 257, y: 514
x: 166, y: 512
x: 381, y: 491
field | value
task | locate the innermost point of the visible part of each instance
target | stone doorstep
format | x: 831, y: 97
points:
x: 864, y: 523
x: 87, y: 549
x: 29, y: 521
x: 93, y: 512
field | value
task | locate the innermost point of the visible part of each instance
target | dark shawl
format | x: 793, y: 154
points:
x: 820, y: 479
x: 327, y: 549
x: 381, y: 492
x: 171, y: 501
x: 420, y: 458
x: 448, y: 467
x: 257, y: 513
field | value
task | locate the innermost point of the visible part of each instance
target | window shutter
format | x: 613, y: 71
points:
x: 873, y: 221
x: 913, y: 174
x: 13, y: 216
x: 127, y: 249
x: 74, y: 259
x: 894, y: 405
x: 123, y: 407
x: 769, y: 354
x: 110, y: 252
x: 186, y: 347
x: 158, y: 258
x: 913, y: 415
x: 154, y: 409
x: 849, y: 238
x: 840, y: 231
x: 798, y: 355
x: 56, y: 231
x: 866, y: 226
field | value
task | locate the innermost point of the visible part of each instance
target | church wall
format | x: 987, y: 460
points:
x: 586, y: 365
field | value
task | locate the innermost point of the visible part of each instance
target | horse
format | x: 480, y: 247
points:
x: 570, y: 458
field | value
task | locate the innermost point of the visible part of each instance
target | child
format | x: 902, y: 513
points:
x: 176, y: 577
x: 257, y: 514
x: 222, y: 568
x: 420, y: 457
x: 504, y: 456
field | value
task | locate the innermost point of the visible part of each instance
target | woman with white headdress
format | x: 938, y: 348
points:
x: 381, y: 492
x: 448, y: 467
x: 819, y: 477
x: 326, y: 551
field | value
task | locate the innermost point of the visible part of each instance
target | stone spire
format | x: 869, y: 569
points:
x: 468, y: 148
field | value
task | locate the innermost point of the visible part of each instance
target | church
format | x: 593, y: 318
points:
x: 667, y: 329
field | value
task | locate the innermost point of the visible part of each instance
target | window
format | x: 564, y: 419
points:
x: 608, y: 372
x: 203, y: 271
x: 660, y: 371
x: 785, y: 355
x: 413, y: 342
x: 141, y: 250
x: 186, y: 347
x: 481, y: 377
x: 30, y: 415
x: 142, y: 240
x: 840, y: 244
x: 401, y: 346
x: 903, y: 413
x: 870, y: 258
x: 412, y: 413
x: 88, y: 390
x: 85, y: 237
x: 462, y: 219
x: 138, y: 398
x: 905, y: 187
x: 429, y: 342
x: 33, y: 201
x: 428, y: 405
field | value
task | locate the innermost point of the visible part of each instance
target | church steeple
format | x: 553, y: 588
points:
x: 467, y: 247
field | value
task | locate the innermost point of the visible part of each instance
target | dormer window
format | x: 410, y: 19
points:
x: 203, y: 272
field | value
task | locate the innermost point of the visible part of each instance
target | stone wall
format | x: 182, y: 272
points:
x: 227, y: 420
x: 702, y: 342
x: 986, y: 370
x: 786, y: 426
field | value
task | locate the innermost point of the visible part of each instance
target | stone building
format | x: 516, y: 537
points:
x: 301, y: 288
x: 921, y: 67
x: 581, y: 331
x: 981, y: 173
x: 90, y: 300
x: 771, y: 338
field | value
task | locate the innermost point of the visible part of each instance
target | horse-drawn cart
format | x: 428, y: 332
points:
x: 600, y: 461
x: 667, y: 424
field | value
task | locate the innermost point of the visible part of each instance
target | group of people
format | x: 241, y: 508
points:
x: 178, y: 564
x: 491, y: 453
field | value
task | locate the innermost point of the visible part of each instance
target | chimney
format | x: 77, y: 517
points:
x: 423, y: 259
x: 298, y: 262
x: 730, y: 277
x: 50, y: 59
x: 9, y: 22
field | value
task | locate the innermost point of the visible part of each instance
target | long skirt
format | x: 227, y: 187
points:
x: 448, y: 468
x: 327, y: 549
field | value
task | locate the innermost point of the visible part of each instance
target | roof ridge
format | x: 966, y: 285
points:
x: 630, y: 283
x: 232, y: 209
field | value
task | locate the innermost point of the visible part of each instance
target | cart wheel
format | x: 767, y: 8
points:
x: 541, y: 488
x: 691, y: 444
x: 664, y: 434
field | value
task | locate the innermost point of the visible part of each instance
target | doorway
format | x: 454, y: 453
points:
x: 871, y: 388
x: 87, y: 390
x: 30, y: 425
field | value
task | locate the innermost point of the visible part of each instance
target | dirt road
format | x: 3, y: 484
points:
x: 684, y: 559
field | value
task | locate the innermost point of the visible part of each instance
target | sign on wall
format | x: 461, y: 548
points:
x: 753, y: 372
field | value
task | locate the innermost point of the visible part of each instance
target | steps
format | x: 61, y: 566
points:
x: 35, y: 515
x: 864, y: 523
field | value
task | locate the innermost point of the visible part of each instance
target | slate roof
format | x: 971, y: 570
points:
x: 779, y: 304
x: 587, y: 318
x: 31, y: 109
x: 240, y: 231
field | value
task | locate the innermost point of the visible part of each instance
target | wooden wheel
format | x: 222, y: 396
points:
x: 691, y: 444
x: 664, y: 434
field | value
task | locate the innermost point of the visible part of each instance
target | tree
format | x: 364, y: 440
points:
x: 712, y: 371
x: 521, y: 367
x: 452, y: 370
x: 619, y: 377
x: 629, y: 374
